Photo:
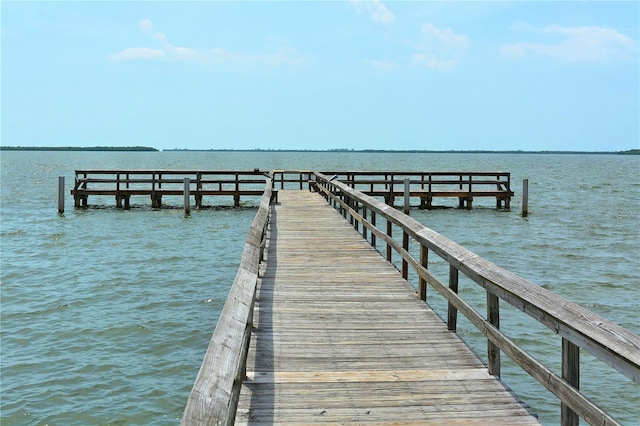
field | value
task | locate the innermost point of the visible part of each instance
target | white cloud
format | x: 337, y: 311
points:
x: 382, y: 65
x: 576, y: 44
x: 377, y: 11
x: 431, y: 61
x: 166, y: 51
x: 145, y: 25
x: 447, y: 38
x: 182, y: 52
x: 440, y: 49
x: 282, y: 56
x: 133, y: 53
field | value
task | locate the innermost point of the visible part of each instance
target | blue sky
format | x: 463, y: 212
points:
x: 326, y: 75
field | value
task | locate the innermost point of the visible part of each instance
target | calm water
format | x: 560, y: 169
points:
x: 106, y: 314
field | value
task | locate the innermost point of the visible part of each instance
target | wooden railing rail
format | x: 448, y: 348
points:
x: 426, y: 185
x: 358, y: 179
x: 292, y: 179
x: 159, y: 178
x: 214, y: 396
x: 578, y: 327
x: 124, y: 183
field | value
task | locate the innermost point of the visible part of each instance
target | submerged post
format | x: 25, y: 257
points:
x: 187, y: 206
x: 525, y: 197
x: 60, y: 194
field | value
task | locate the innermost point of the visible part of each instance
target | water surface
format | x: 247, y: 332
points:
x: 106, y: 314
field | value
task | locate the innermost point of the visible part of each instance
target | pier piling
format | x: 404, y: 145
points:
x: 60, y: 194
x: 187, y: 205
x: 525, y: 197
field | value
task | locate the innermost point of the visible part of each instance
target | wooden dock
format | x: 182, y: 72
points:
x: 340, y: 337
x: 122, y: 185
x: 320, y: 327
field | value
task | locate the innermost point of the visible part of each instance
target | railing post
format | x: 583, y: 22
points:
x: 236, y: 196
x: 198, y: 190
x: 570, y: 373
x: 187, y: 204
x: 452, y: 312
x: 364, y: 228
x: 373, y: 223
x: 344, y: 205
x: 405, y: 235
x: 351, y: 204
x: 389, y: 234
x: 493, y: 315
x: 60, y: 194
x: 470, y: 197
x: 118, y: 197
x: 422, y: 283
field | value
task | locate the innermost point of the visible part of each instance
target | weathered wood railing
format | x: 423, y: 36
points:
x: 123, y: 184
x: 157, y: 183
x: 214, y: 397
x: 426, y: 186
x: 578, y: 327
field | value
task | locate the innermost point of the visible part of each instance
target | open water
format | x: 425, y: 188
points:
x: 106, y: 314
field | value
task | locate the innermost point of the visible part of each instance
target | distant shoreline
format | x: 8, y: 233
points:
x: 381, y: 151
x: 78, y: 148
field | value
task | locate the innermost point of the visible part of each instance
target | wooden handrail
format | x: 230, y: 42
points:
x: 579, y: 328
x: 214, y: 396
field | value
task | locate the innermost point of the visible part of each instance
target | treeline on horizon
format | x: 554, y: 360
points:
x: 77, y: 148
x: 410, y: 151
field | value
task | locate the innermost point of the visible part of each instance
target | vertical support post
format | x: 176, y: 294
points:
x: 422, y: 283
x: 407, y: 196
x: 373, y: 223
x: 389, y: 234
x: 493, y: 315
x: 187, y: 196
x: 60, y: 194
x: 364, y: 228
x: 498, y: 189
x: 198, y: 196
x: 525, y: 197
x: 355, y: 206
x: 405, y: 235
x: 118, y: 197
x: 508, y: 189
x: 452, y: 312
x: 570, y: 373
x: 236, y: 196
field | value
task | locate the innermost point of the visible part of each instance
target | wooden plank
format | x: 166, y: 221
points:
x: 340, y: 337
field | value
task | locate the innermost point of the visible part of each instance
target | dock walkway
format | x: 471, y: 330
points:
x: 340, y: 337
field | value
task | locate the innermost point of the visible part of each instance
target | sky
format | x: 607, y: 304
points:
x: 394, y: 75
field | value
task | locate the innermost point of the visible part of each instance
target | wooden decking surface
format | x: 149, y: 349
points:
x: 339, y: 337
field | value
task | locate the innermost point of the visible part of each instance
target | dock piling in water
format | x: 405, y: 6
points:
x: 525, y: 197
x: 187, y: 205
x: 60, y: 194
